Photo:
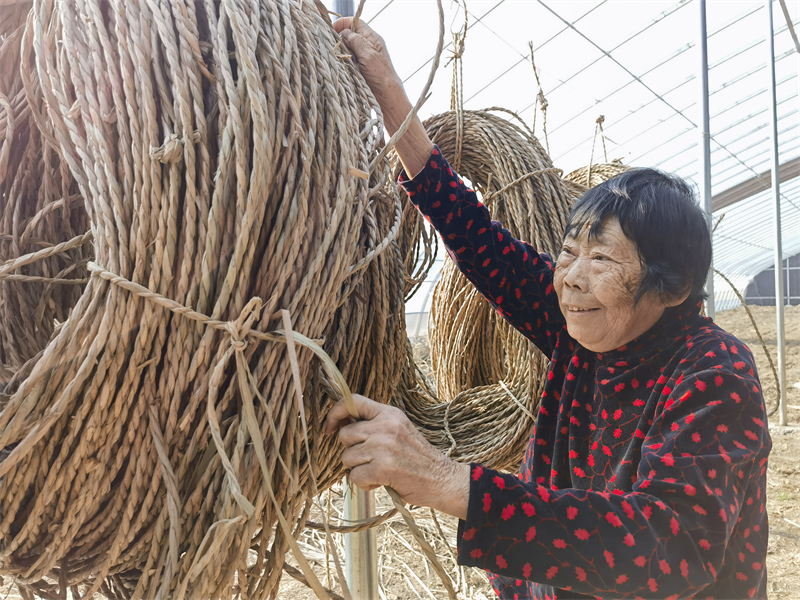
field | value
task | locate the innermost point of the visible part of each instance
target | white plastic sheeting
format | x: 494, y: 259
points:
x: 636, y: 64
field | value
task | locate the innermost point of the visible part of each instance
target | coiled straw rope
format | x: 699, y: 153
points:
x: 155, y: 441
x: 41, y: 212
x: 203, y: 161
x: 593, y: 175
x: 488, y: 376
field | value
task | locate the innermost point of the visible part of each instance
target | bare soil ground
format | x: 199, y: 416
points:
x: 783, y: 475
x: 406, y: 575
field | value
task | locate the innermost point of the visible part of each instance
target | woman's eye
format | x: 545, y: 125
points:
x: 598, y: 257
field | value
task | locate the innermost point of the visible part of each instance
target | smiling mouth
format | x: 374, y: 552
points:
x: 574, y: 309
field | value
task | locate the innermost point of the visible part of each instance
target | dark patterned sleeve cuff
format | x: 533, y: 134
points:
x: 477, y: 535
x: 435, y: 157
x: 419, y: 189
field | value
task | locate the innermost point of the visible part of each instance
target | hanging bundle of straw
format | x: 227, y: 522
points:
x: 593, y: 175
x: 162, y: 438
x: 488, y: 376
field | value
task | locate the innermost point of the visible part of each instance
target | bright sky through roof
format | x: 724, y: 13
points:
x: 636, y: 64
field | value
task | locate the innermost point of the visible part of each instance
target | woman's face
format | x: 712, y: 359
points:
x: 596, y: 281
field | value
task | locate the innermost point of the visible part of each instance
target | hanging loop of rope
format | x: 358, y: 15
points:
x: 540, y: 102
x: 598, y: 129
x: 523, y: 190
x: 457, y: 85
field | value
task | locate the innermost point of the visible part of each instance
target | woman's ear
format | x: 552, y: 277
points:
x: 670, y: 300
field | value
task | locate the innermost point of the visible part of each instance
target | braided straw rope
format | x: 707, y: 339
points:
x: 218, y: 152
x: 488, y: 376
x: 40, y: 212
x: 196, y: 152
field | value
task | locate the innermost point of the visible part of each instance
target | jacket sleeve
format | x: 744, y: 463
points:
x: 667, y: 537
x: 515, y: 279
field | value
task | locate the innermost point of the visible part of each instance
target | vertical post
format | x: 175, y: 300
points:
x: 344, y: 7
x: 360, y: 549
x: 776, y: 200
x: 705, y: 150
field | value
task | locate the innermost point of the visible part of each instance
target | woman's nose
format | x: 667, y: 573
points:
x: 577, y: 275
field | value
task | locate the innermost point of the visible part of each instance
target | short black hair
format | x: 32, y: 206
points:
x: 659, y: 213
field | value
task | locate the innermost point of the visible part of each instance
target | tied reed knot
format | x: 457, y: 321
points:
x: 239, y: 329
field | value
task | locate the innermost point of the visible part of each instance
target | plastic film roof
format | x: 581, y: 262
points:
x: 636, y: 64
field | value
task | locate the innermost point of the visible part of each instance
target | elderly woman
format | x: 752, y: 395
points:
x: 645, y: 471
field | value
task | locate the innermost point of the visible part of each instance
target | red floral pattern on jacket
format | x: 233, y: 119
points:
x: 645, y: 473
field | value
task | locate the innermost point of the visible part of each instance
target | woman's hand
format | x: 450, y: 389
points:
x: 370, y: 52
x: 384, y: 448
x: 375, y: 65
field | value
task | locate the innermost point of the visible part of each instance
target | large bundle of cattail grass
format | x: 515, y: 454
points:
x: 488, y: 376
x: 226, y: 155
x: 40, y: 207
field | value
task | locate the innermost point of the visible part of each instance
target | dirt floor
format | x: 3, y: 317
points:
x: 783, y: 475
x: 406, y: 575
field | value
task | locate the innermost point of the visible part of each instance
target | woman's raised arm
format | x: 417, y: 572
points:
x: 511, y: 274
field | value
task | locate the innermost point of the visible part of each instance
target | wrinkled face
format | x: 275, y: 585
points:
x: 596, y: 281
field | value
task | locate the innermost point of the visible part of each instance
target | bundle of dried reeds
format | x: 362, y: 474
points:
x: 40, y: 207
x: 488, y: 376
x: 593, y: 175
x: 154, y: 438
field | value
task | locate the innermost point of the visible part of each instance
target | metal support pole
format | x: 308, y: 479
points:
x: 776, y: 199
x: 705, y: 150
x: 360, y: 549
x: 344, y: 7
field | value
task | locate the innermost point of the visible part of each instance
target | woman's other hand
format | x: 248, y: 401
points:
x: 373, y: 60
x: 384, y: 448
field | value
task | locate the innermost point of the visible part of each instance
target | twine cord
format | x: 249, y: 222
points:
x: 758, y: 334
x: 539, y: 102
x: 520, y: 179
x: 598, y: 129
x: 516, y: 401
